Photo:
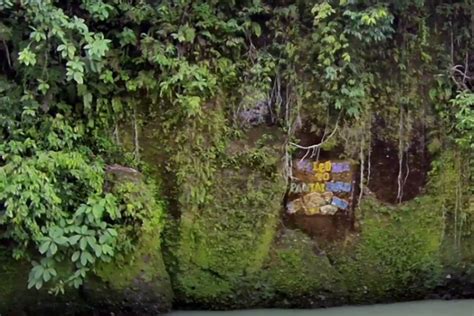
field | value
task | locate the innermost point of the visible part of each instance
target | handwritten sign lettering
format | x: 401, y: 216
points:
x: 341, y: 167
x: 339, y: 186
x: 340, y: 203
x: 305, y: 166
x: 320, y: 187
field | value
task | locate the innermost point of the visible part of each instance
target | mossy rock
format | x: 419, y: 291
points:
x: 136, y: 282
x: 227, y: 234
x: 298, y: 273
x: 230, y: 239
x: 230, y: 252
x: 396, y: 256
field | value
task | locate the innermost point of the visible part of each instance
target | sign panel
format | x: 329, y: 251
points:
x: 321, y: 187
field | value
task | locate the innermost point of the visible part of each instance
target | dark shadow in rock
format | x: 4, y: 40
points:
x: 384, y: 171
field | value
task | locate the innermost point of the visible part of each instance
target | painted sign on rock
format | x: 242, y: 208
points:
x: 320, y: 187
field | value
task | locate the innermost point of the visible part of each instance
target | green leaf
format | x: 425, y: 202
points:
x: 5, y: 31
x: 98, y: 250
x: 44, y: 247
x: 103, y: 239
x: 53, y: 248
x: 117, y: 105
x: 27, y: 57
x: 43, y: 87
x: 77, y: 283
x: 257, y: 29
x: 78, y: 77
x: 31, y: 283
x: 74, y: 239
x: 89, y: 257
x: 61, y: 241
x: 39, y: 284
x: 189, y: 34
x: 91, y: 241
x: 55, y: 232
x: 87, y: 100
x: 84, y: 258
x: 46, y: 276
x: 83, y: 243
x: 127, y: 37
x: 107, y: 250
x: 98, y: 47
x: 75, y: 256
x: 97, y: 210
x: 38, y: 271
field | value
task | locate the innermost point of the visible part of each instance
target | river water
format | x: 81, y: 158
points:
x: 422, y: 308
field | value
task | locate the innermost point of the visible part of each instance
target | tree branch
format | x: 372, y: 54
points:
x: 321, y: 143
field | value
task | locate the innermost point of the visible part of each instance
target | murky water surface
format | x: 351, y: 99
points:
x: 423, y: 308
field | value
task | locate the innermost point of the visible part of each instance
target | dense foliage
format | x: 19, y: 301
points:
x: 80, y: 80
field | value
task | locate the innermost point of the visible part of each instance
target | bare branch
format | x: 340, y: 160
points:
x: 462, y: 73
x: 7, y: 53
x: 319, y: 144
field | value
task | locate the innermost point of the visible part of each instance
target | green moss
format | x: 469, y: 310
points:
x: 142, y: 279
x: 225, y: 247
x: 450, y: 178
x: 228, y: 256
x: 295, y: 269
x: 230, y: 238
x: 139, y: 279
x: 264, y: 243
x: 145, y: 263
x: 229, y: 197
x: 397, y: 255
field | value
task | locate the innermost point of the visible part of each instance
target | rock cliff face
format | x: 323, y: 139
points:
x: 287, y: 153
x: 230, y: 240
x: 242, y: 249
